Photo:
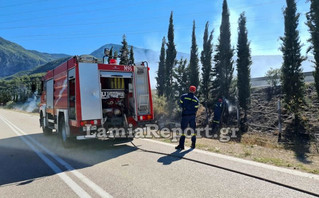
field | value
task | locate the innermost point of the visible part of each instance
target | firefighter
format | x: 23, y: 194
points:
x: 189, y: 104
x: 218, y: 110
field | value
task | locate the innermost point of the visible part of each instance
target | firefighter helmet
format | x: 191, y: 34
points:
x: 192, y: 89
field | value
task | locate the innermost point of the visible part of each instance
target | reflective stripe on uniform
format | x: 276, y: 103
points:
x: 196, y: 106
x: 194, y: 100
x: 194, y: 134
x: 216, y: 121
x: 181, y: 101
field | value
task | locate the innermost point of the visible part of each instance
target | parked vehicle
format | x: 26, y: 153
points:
x: 82, y: 94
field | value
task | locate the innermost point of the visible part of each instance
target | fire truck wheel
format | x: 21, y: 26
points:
x: 46, y: 130
x: 66, y: 141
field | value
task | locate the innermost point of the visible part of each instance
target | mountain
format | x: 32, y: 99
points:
x: 14, y: 58
x: 48, y: 66
x: 140, y: 54
x: 39, y: 69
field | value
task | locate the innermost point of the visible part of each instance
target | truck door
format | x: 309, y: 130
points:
x: 72, y: 95
x: 142, y: 93
x: 49, y: 97
x: 91, y: 106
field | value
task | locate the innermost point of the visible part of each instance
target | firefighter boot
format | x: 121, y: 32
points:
x: 181, y: 143
x: 193, y: 141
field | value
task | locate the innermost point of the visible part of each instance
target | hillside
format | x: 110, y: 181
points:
x: 263, y: 113
x: 48, y: 66
x: 14, y: 58
x: 39, y: 69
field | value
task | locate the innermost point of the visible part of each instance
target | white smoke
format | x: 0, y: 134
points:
x: 30, y: 105
x: 231, y: 107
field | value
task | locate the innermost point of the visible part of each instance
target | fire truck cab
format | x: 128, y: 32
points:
x: 82, y: 94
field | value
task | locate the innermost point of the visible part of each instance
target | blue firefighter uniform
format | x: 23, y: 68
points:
x: 189, y: 104
x: 218, y: 109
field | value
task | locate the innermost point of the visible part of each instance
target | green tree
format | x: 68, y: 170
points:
x: 115, y: 55
x: 170, y: 59
x: 110, y: 55
x: 124, y: 52
x: 160, y: 79
x: 243, y: 64
x: 181, y: 78
x: 313, y: 24
x: 292, y: 77
x: 223, y: 70
x: 273, y: 77
x: 132, y: 61
x: 206, y: 60
x: 193, y: 64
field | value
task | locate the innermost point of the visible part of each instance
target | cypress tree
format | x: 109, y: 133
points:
x: 161, y: 71
x: 313, y: 24
x: 193, y: 64
x: 206, y: 60
x: 292, y: 77
x: 243, y: 63
x: 170, y: 59
x: 181, y: 78
x: 223, y: 70
x: 124, y: 52
x: 115, y: 55
x: 132, y: 61
x: 110, y: 55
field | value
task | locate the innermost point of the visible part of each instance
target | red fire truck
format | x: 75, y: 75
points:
x: 82, y: 94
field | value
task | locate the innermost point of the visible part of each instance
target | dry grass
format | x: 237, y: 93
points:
x: 260, y: 139
x: 261, y: 148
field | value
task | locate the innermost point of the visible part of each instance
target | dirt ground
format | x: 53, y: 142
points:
x: 260, y: 148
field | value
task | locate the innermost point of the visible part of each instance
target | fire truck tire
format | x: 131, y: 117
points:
x: 66, y: 141
x: 46, y: 130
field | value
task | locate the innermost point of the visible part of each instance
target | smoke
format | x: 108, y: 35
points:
x: 31, y: 105
x: 231, y: 107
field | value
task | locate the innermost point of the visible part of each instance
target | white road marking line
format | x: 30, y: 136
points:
x: 266, y: 166
x: 74, y: 186
x: 79, y: 175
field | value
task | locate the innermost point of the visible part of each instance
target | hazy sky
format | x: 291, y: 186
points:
x: 79, y: 27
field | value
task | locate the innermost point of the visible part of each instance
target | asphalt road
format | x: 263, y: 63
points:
x: 34, y: 165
